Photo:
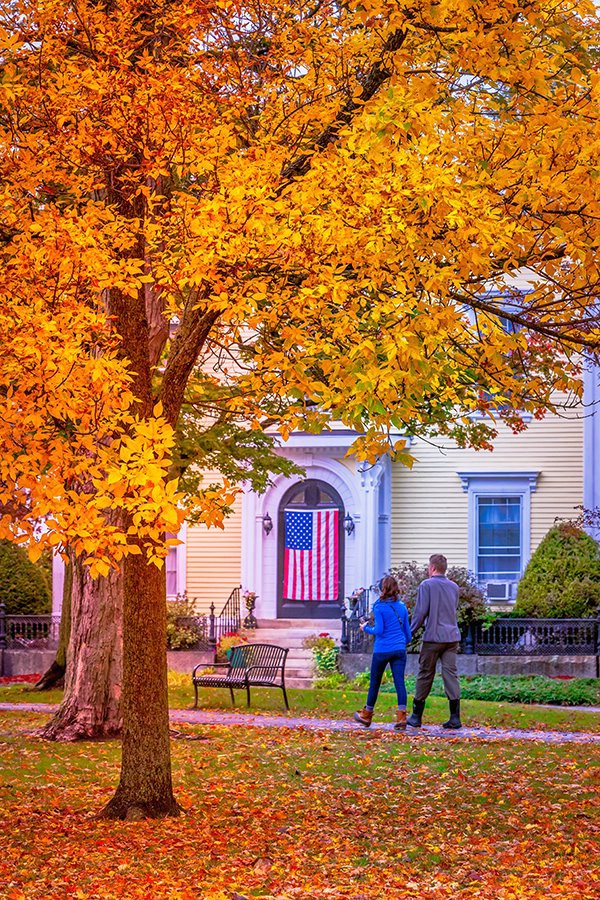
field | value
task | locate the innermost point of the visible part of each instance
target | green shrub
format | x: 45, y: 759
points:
x: 562, y: 579
x: 181, y: 634
x: 504, y: 688
x: 227, y: 642
x: 530, y: 689
x: 330, y: 682
x: 471, y: 598
x: 325, y: 652
x: 24, y: 587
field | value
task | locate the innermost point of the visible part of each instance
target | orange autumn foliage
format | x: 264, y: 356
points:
x: 336, y: 197
x: 333, y: 191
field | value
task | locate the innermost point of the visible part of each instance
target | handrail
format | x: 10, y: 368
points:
x: 229, y: 619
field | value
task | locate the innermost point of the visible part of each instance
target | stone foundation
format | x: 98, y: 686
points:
x: 576, y: 666
x: 29, y: 662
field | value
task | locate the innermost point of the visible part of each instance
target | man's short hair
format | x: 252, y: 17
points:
x: 439, y: 562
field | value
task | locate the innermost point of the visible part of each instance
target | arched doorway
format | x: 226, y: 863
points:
x: 310, y: 557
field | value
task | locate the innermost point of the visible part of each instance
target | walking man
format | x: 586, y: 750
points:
x: 437, y: 605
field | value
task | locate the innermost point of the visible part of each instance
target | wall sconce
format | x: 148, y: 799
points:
x: 348, y: 524
x: 267, y: 524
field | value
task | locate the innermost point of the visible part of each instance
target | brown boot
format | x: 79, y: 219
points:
x: 364, y: 717
x: 400, y: 719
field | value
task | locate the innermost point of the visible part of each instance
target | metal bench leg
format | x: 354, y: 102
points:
x: 287, y: 705
x: 232, y: 697
x: 248, y: 693
x: 195, y: 696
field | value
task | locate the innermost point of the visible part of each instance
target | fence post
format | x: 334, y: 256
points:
x: 3, y: 639
x: 344, y: 637
x: 212, y: 631
x: 597, y: 644
x: 470, y: 639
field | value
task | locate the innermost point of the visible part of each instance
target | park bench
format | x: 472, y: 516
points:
x: 250, y: 665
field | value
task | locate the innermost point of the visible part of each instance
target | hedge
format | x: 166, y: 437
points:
x: 24, y: 587
x: 562, y: 579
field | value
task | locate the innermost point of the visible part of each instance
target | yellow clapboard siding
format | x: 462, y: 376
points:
x: 213, y: 558
x: 430, y: 509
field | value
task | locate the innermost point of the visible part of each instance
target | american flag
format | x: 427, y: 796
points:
x: 311, y: 555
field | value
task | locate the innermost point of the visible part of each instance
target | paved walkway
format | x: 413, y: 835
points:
x: 484, y: 733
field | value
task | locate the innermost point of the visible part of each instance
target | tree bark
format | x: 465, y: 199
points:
x: 54, y: 676
x: 91, y: 707
x: 145, y: 788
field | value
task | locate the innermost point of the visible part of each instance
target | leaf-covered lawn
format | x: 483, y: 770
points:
x: 284, y: 814
x: 342, y: 703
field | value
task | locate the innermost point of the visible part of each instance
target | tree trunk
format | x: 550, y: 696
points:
x: 145, y: 788
x: 91, y: 706
x: 54, y: 676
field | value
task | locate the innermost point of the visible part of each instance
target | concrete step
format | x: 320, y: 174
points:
x: 298, y: 672
x: 312, y: 625
x: 305, y: 683
x: 281, y: 640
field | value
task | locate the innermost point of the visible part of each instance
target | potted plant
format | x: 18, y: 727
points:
x: 250, y: 598
x: 226, y: 644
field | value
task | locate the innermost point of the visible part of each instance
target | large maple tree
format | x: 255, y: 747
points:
x: 336, y: 194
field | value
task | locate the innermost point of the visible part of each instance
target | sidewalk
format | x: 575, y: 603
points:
x: 483, y: 733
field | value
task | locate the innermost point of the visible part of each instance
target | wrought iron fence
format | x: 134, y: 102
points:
x: 505, y: 637
x: 28, y: 631
x: 211, y: 628
x: 536, y: 637
x: 42, y: 631
x: 354, y: 640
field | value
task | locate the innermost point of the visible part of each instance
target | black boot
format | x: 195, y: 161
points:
x: 415, y: 720
x: 454, y: 720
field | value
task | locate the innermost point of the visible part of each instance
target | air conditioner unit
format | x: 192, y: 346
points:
x: 501, y: 590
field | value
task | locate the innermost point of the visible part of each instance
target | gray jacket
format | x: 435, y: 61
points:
x: 437, y: 604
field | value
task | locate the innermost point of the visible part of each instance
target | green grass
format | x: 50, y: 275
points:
x: 342, y: 703
x: 293, y: 815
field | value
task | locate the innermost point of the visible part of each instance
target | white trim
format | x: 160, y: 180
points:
x: 591, y: 442
x: 366, y: 495
x: 498, y: 481
x: 332, y: 441
x: 58, y: 583
x: 490, y: 484
x: 180, y: 563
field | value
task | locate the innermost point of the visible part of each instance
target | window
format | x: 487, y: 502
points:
x: 499, y: 544
x: 499, y: 528
x: 171, y: 567
x: 175, y: 565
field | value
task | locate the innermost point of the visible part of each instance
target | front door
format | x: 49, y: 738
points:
x: 310, y: 552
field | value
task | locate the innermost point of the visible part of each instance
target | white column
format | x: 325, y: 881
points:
x: 370, y: 479
x: 58, y: 581
x: 591, y: 442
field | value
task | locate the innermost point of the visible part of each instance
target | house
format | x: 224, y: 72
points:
x: 486, y: 510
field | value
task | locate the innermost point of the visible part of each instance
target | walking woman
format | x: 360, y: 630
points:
x: 392, y: 635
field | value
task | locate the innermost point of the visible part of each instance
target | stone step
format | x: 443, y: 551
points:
x: 298, y: 672
x: 304, y: 683
x: 316, y: 625
x: 281, y: 640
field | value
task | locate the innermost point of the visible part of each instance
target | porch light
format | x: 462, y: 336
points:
x: 267, y: 524
x: 348, y: 524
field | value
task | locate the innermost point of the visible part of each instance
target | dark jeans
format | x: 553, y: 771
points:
x: 397, y: 662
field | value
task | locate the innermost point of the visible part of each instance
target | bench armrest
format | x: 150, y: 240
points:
x: 209, y: 666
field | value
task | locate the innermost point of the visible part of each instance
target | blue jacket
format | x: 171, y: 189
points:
x: 391, y: 629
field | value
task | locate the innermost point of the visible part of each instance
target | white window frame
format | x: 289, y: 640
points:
x: 499, y: 484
